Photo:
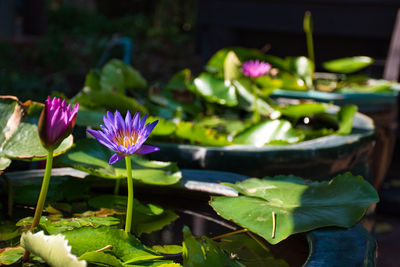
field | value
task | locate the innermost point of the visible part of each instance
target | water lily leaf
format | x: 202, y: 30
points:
x: 168, y: 249
x: 25, y: 144
x: 216, y: 90
x: 126, y: 247
x: 148, y: 217
x: 8, y: 230
x: 246, y: 98
x: 302, y: 110
x: 90, y: 117
x: 4, y: 163
x: 200, y: 135
x: 303, y: 68
x: 249, y: 252
x: 116, y: 76
x: 203, y: 252
x: 101, y: 259
x: 268, y: 131
x: 345, y: 118
x: 90, y: 156
x: 348, y: 64
x: 278, y: 207
x: 53, y: 249
x: 164, y: 127
x: 231, y: 66
x: 180, y: 80
x: 11, y: 255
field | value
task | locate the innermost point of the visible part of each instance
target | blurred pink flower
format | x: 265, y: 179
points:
x: 255, y: 68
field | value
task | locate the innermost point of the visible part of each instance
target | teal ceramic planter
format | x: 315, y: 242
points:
x: 381, y: 107
x: 321, y: 158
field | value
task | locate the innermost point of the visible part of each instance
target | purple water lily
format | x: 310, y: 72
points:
x: 255, y: 68
x: 56, y: 122
x: 126, y: 137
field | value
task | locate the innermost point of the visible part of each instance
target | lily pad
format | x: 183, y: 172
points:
x: 348, y: 64
x: 268, y: 131
x: 203, y: 252
x: 345, y: 118
x: 302, y: 110
x: 278, y: 207
x: 11, y: 255
x: 201, y: 135
x: 90, y: 156
x: 126, y: 247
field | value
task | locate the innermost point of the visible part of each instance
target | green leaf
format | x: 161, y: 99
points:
x: 168, y: 249
x: 203, y: 252
x: 246, y: 98
x: 345, y: 118
x: 180, y: 80
x: 4, y: 163
x: 200, y: 135
x: 148, y: 217
x: 216, y: 90
x: 268, y: 131
x: 25, y: 144
x: 92, y: 80
x: 348, y: 64
x: 249, y: 252
x: 302, y: 110
x: 231, y: 66
x: 53, y: 249
x: 164, y: 127
x: 8, y: 230
x: 303, y: 68
x: 11, y: 255
x: 295, y: 205
x: 101, y: 259
x: 126, y: 247
x: 90, y: 156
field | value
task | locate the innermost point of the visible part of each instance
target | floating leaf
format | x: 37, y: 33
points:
x: 203, y: 252
x: 268, y: 131
x: 216, y: 90
x: 90, y: 156
x: 168, y: 249
x: 303, y: 68
x: 148, y: 217
x: 302, y: 110
x: 126, y: 247
x: 8, y: 230
x: 200, y: 135
x: 249, y: 252
x: 348, y: 64
x: 231, y: 66
x: 53, y: 249
x: 278, y: 207
x: 101, y: 259
x: 11, y: 255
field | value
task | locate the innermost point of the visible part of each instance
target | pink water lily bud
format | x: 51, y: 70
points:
x: 255, y: 68
x: 56, y: 122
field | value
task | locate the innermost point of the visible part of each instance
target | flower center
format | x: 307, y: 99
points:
x: 127, y: 139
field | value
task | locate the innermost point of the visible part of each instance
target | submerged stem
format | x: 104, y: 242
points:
x: 116, y: 186
x: 129, y: 211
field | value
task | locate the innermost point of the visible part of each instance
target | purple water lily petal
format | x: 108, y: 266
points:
x: 125, y: 136
x: 146, y: 149
x: 115, y: 158
x: 56, y: 122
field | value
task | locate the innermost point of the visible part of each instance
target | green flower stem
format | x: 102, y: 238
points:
x: 129, y: 211
x: 256, y: 115
x: 42, y: 196
x: 43, y: 190
x: 116, y: 186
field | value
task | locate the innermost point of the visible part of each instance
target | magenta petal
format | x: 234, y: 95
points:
x: 146, y: 149
x: 115, y: 158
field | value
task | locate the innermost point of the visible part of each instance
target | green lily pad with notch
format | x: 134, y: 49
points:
x: 168, y: 249
x: 147, y: 217
x: 126, y: 247
x: 203, y: 251
x: 90, y: 156
x: 249, y: 252
x: 348, y: 64
x: 200, y: 135
x: 295, y: 205
x: 216, y: 90
x: 268, y: 131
